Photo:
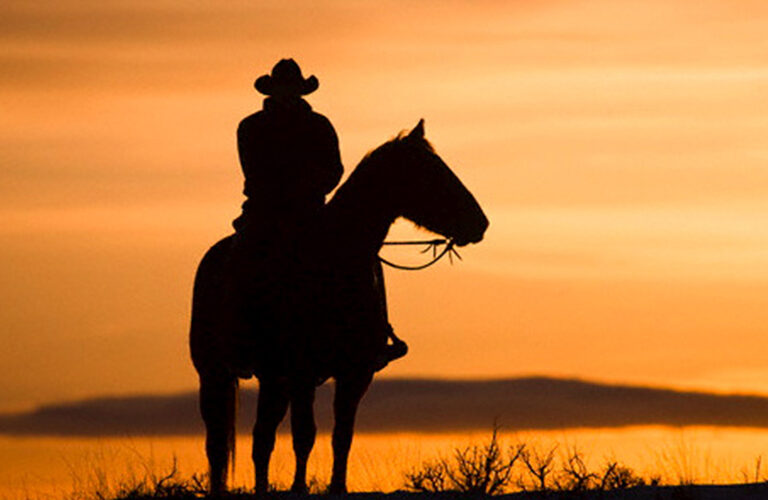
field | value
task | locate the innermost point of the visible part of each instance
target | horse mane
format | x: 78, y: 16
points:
x: 369, y: 175
x: 368, y: 169
x: 395, y: 141
x: 373, y: 157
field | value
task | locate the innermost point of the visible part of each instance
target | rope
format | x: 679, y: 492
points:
x: 431, y: 245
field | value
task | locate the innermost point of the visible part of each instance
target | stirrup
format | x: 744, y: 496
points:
x: 393, y: 351
x: 396, y: 350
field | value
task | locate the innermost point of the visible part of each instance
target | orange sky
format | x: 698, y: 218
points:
x: 618, y: 147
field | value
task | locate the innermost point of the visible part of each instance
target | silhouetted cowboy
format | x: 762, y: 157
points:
x: 290, y: 158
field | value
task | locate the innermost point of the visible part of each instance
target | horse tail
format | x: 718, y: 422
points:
x: 231, y: 404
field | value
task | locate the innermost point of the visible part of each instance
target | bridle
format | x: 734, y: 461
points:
x: 432, y: 245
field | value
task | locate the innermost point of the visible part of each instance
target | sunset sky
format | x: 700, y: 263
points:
x: 619, y: 149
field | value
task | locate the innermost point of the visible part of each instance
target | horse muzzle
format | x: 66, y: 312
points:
x: 475, y: 236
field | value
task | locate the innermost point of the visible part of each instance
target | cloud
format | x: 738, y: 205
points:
x: 419, y: 405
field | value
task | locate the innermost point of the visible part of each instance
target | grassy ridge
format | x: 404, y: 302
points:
x: 490, y: 469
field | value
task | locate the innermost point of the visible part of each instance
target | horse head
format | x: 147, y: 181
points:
x: 429, y: 194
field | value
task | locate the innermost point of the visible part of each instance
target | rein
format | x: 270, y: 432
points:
x: 432, y: 245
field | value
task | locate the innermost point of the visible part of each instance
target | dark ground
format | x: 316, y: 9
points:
x: 709, y: 492
x: 730, y: 492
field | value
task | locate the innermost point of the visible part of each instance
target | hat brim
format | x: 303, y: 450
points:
x: 267, y: 86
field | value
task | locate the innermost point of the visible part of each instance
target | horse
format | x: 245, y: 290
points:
x: 317, y: 317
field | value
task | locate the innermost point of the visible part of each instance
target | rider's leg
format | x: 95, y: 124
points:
x: 397, y: 348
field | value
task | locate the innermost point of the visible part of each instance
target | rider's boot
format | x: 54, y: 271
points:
x: 394, y: 349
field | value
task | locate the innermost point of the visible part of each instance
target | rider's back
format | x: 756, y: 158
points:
x: 290, y: 158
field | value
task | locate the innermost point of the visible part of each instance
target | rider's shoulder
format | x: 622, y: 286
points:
x: 252, y: 120
x: 320, y: 120
x: 264, y: 118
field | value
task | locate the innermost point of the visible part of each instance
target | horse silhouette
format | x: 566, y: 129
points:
x: 315, y: 313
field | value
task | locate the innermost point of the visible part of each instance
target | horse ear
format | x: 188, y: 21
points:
x: 418, y: 130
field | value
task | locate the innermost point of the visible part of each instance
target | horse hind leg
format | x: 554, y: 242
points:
x: 272, y: 406
x: 349, y: 392
x: 303, y: 431
x: 218, y: 406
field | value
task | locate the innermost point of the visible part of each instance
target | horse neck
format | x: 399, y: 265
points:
x: 361, y: 211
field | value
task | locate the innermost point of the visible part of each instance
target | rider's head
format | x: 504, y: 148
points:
x: 286, y: 81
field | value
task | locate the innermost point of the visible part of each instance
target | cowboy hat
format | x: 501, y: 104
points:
x: 286, y: 79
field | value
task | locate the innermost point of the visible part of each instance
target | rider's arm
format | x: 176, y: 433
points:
x: 329, y: 156
x: 246, y: 145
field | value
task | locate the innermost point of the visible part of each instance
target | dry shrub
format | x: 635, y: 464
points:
x: 485, y: 470
x: 489, y: 470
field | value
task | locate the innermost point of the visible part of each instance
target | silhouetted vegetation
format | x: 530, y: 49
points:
x: 475, y: 469
x: 490, y: 470
x: 168, y: 484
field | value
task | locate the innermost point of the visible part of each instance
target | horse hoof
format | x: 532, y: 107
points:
x: 300, y: 489
x: 337, y: 489
x: 260, y: 492
x: 217, y: 489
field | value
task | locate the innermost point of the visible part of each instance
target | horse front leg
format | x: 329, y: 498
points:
x: 303, y: 430
x: 349, y: 392
x: 272, y: 406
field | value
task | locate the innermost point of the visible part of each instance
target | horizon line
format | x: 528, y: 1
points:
x: 419, y: 405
